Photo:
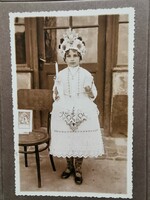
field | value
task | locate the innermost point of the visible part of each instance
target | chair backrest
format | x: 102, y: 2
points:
x: 35, y: 99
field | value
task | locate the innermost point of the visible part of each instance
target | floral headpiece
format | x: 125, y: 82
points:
x: 71, y: 40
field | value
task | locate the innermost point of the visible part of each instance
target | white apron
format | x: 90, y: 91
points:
x: 75, y: 129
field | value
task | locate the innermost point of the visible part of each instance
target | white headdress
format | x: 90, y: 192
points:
x: 71, y: 40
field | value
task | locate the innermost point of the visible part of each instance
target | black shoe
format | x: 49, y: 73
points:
x: 78, y: 178
x: 67, y: 173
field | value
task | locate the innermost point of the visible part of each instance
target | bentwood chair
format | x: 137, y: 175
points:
x: 37, y: 140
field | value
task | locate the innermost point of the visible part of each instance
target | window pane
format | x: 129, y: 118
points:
x: 123, y: 18
x: 20, y: 41
x: 90, y: 43
x: 85, y: 20
x: 62, y: 21
x: 24, y: 80
x: 56, y: 21
x: 19, y: 20
x: 50, y: 39
x: 123, y: 45
x: 50, y: 21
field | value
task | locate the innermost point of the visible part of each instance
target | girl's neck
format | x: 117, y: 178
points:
x: 73, y: 66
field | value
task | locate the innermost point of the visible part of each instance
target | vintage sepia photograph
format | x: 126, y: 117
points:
x: 73, y: 71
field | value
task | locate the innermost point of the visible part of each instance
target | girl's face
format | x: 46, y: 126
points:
x: 72, y: 58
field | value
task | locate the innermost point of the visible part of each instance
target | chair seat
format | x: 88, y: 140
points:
x: 33, y: 138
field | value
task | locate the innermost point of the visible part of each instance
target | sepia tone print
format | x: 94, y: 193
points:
x: 108, y: 37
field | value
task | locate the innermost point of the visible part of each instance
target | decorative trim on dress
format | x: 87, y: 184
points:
x: 84, y: 131
x: 73, y: 119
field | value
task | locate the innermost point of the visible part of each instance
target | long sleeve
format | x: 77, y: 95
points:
x: 89, y: 82
x: 57, y: 88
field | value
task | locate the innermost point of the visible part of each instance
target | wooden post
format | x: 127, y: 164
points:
x: 32, y: 29
x: 111, y: 60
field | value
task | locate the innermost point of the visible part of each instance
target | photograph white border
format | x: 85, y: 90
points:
x: 90, y: 12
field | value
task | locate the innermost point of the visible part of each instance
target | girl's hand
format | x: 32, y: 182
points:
x: 89, y: 92
x: 56, y: 94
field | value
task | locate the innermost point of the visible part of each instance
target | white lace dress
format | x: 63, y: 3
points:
x: 75, y: 129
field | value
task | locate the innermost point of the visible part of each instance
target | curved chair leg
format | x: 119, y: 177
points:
x: 52, y: 162
x: 38, y: 165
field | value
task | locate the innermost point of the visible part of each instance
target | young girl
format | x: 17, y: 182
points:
x: 75, y: 129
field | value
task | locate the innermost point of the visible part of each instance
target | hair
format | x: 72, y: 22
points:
x: 67, y: 52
